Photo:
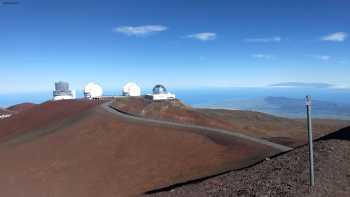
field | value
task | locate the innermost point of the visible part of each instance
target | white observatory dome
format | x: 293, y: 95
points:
x: 92, y: 91
x: 131, y: 89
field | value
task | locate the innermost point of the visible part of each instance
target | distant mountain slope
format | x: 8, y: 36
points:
x: 287, y: 107
x: 279, y: 130
x: 292, y: 105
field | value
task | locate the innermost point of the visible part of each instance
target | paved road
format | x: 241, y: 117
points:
x: 107, y: 107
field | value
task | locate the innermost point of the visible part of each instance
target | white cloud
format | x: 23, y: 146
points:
x: 205, y: 36
x: 321, y: 57
x: 264, y: 40
x: 335, y: 37
x: 140, y: 30
x: 263, y: 56
x: 341, y: 86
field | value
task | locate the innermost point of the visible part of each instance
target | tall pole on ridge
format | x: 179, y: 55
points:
x: 310, y: 142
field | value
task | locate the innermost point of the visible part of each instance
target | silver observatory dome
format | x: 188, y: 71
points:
x: 159, y: 89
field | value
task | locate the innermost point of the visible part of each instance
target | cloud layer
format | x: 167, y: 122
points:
x: 262, y: 56
x: 205, y: 36
x: 302, y: 85
x: 264, y: 40
x: 140, y: 30
x: 335, y: 37
x: 321, y: 57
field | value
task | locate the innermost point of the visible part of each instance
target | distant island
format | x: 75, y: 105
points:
x: 302, y: 85
x: 286, y: 107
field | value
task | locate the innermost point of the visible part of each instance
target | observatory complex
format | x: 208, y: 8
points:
x: 131, y: 89
x: 62, y: 91
x: 93, y: 91
x: 160, y: 93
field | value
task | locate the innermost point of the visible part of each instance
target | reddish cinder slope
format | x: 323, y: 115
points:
x: 102, y: 154
x: 42, y: 115
x: 173, y: 110
x: 279, y: 130
x: 290, y: 132
x: 21, y: 107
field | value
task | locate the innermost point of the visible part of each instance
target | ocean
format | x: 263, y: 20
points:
x: 202, y: 97
x: 230, y: 98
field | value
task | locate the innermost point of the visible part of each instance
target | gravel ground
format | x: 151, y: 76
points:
x: 285, y: 175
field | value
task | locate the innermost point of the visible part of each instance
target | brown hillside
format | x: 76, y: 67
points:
x: 280, y: 130
x: 96, y: 153
x: 51, y: 112
x: 21, y: 107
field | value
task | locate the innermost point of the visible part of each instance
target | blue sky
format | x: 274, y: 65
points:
x: 182, y: 43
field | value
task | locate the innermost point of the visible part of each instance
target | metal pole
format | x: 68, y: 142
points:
x: 310, y: 140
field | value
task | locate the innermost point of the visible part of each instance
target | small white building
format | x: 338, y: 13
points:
x: 160, y: 93
x: 131, y: 89
x: 62, y: 91
x: 93, y: 91
x: 3, y: 116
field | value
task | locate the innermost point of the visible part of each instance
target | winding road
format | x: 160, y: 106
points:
x: 107, y: 106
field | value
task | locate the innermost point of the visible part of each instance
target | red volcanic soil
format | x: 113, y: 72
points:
x: 39, y: 116
x: 21, y: 107
x: 290, y: 132
x: 93, y: 152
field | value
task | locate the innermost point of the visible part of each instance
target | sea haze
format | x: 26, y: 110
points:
x: 287, y: 102
x: 282, y: 101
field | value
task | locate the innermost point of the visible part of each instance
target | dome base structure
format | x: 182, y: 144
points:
x: 131, y: 89
x: 93, y: 91
x: 160, y: 93
x: 67, y: 97
x: 166, y: 96
x: 62, y: 91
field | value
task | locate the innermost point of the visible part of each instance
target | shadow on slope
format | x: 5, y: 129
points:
x: 284, y: 175
x: 342, y: 134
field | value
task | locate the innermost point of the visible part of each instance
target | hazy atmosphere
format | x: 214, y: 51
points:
x: 182, y: 44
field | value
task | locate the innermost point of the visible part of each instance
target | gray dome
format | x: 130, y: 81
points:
x: 159, y: 89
